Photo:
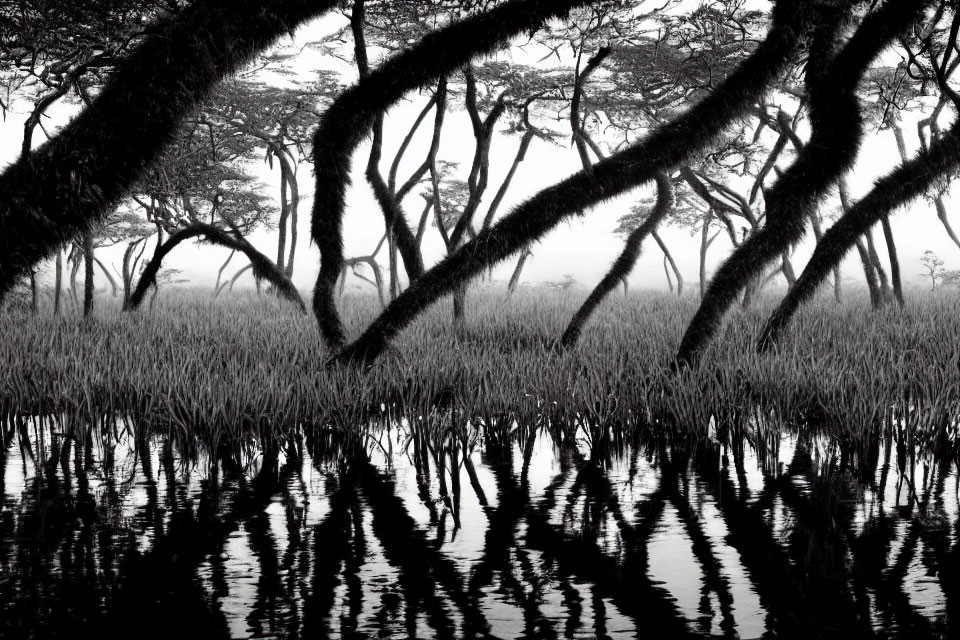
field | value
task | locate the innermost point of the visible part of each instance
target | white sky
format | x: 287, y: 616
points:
x: 583, y: 247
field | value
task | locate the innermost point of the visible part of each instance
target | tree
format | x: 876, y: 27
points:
x: 76, y: 178
x: 933, y: 268
x: 665, y: 148
x: 833, y: 74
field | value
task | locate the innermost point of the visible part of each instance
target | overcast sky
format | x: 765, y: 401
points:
x: 583, y: 247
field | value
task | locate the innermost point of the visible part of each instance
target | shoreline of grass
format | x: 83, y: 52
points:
x: 225, y: 368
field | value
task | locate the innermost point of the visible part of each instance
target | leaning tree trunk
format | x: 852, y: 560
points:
x: 833, y: 79
x: 909, y: 181
x: 349, y: 120
x: 71, y: 182
x: 668, y: 260
x: 870, y: 273
x: 515, y: 276
x: 58, y: 283
x: 667, y: 147
x: 894, y: 261
x: 263, y: 267
x: 88, y: 262
x: 624, y: 263
x: 106, y: 274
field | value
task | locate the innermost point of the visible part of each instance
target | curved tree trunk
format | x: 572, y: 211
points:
x: 352, y: 115
x: 624, y: 263
x: 58, y: 283
x: 668, y: 260
x: 667, y: 147
x: 263, y: 267
x: 88, y: 261
x: 515, y: 276
x: 833, y: 78
x: 53, y: 195
x: 894, y: 261
x: 870, y: 273
x: 109, y: 276
x: 909, y: 181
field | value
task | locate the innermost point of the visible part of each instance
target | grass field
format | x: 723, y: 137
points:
x: 249, y: 365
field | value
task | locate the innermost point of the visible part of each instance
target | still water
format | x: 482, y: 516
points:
x: 527, y: 533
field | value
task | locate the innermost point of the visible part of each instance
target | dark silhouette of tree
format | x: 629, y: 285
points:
x: 624, y: 262
x: 665, y: 148
x: 833, y: 76
x: 909, y: 181
x: 353, y: 114
x: 75, y: 179
x: 263, y: 267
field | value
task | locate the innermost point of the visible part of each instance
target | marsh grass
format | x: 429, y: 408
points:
x: 252, y: 367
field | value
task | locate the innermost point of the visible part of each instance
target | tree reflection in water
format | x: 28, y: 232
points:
x: 502, y: 531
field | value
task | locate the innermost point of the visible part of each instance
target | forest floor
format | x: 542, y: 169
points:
x: 247, y: 364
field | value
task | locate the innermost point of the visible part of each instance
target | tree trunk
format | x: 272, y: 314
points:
x: 263, y: 267
x: 282, y: 224
x: 673, y: 265
x: 624, y: 263
x: 818, y: 234
x: 515, y: 276
x: 58, y: 283
x: 870, y: 273
x: 666, y: 147
x: 96, y: 158
x: 108, y: 276
x: 33, y: 291
x: 704, y: 245
x: 878, y: 267
x: 88, y: 260
x: 894, y: 261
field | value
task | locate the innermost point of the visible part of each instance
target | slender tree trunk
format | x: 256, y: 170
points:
x: 704, y: 245
x: 294, y: 188
x: 88, y: 261
x: 108, y: 276
x: 624, y: 263
x: 33, y: 291
x: 515, y: 276
x: 870, y: 273
x: 58, y: 283
x: 818, y: 234
x: 282, y: 225
x: 108, y: 146
x: 673, y: 264
x: 894, y: 261
x: 882, y: 281
x: 666, y: 272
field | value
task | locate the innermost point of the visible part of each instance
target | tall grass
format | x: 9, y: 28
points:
x: 253, y: 367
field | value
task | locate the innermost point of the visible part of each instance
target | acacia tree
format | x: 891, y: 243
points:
x: 80, y: 175
x: 833, y: 74
x: 665, y: 148
x: 935, y: 163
